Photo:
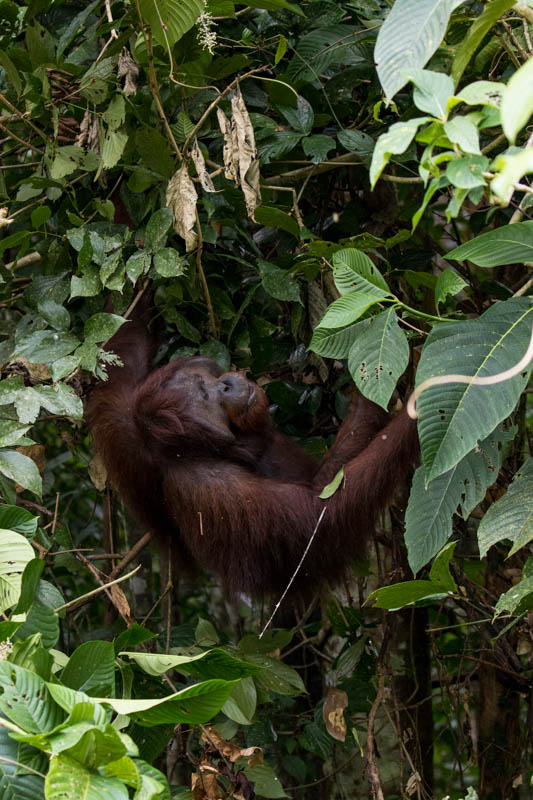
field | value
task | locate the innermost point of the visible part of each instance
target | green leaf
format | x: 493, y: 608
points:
x: 378, y: 357
x: 408, y: 38
x: 45, y: 346
x: 193, y: 705
x: 18, y: 519
x: 11, y: 433
x: 280, y: 50
x: 169, y: 263
x: 138, y: 264
x: 25, y: 699
x: 157, y: 229
x: 455, y: 416
x: 88, y: 285
x: 510, y: 517
x: 510, y: 244
x: 15, y: 782
x: 54, y: 314
x: 101, y: 327
x: 449, y: 283
x: 317, y: 147
x: 300, y: 118
x: 209, y: 664
x: 355, y: 271
x: 467, y: 172
x: 68, y: 778
x: 403, y: 594
x: 463, y: 132
x: 518, y: 599
x: 486, y: 93
x: 440, y: 571
x: 275, y: 218
x: 113, y: 147
x: 480, y: 27
x: 15, y: 553
x: 241, y: 704
x: 91, y: 668
x: 430, y: 510
x: 274, y: 5
x: 170, y: 19
x: 357, y: 142
x: 30, y: 581
x: 278, y: 144
x: 40, y: 215
x: 278, y: 283
x: 332, y: 486
x: 265, y: 781
x: 394, y: 142
x: 432, y: 91
x: 277, y: 676
x: 335, y: 343
x: 511, y: 167
x: 348, y: 309
x: 21, y: 469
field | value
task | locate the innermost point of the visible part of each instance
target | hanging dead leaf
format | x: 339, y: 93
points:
x: 98, y: 473
x: 333, y: 713
x: 204, y: 786
x: 181, y: 198
x: 247, y: 153
x: 229, y: 750
x: 201, y: 169
x: 128, y: 69
x: 231, y: 158
x: 120, y: 602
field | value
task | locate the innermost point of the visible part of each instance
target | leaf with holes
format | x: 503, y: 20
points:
x: 455, y: 416
x: 378, y: 357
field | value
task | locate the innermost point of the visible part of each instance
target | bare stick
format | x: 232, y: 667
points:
x: 281, y: 599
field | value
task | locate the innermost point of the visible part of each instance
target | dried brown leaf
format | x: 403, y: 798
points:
x: 333, y: 713
x: 128, y: 69
x: 230, y: 155
x: 247, y: 153
x: 181, y: 198
x: 201, y: 169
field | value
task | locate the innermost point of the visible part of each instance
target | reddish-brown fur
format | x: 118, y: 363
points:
x: 196, y: 458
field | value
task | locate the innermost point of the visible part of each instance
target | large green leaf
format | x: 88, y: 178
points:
x: 354, y: 271
x: 25, y: 699
x: 213, y: 663
x: 511, y: 517
x: 517, y: 101
x: 480, y: 27
x: 68, y: 778
x: 349, y: 308
x: 22, y: 469
x: 336, y: 343
x: 378, y: 357
x: 91, y: 668
x: 408, y: 38
x: 394, y: 142
x: 170, y: 19
x: 15, y: 553
x: 428, y: 520
x: 193, y: 705
x: 454, y: 417
x: 14, y: 783
x: 509, y: 244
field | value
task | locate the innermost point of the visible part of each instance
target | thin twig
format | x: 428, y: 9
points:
x: 104, y: 588
x: 294, y: 574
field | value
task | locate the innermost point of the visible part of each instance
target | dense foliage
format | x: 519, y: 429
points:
x: 322, y: 193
